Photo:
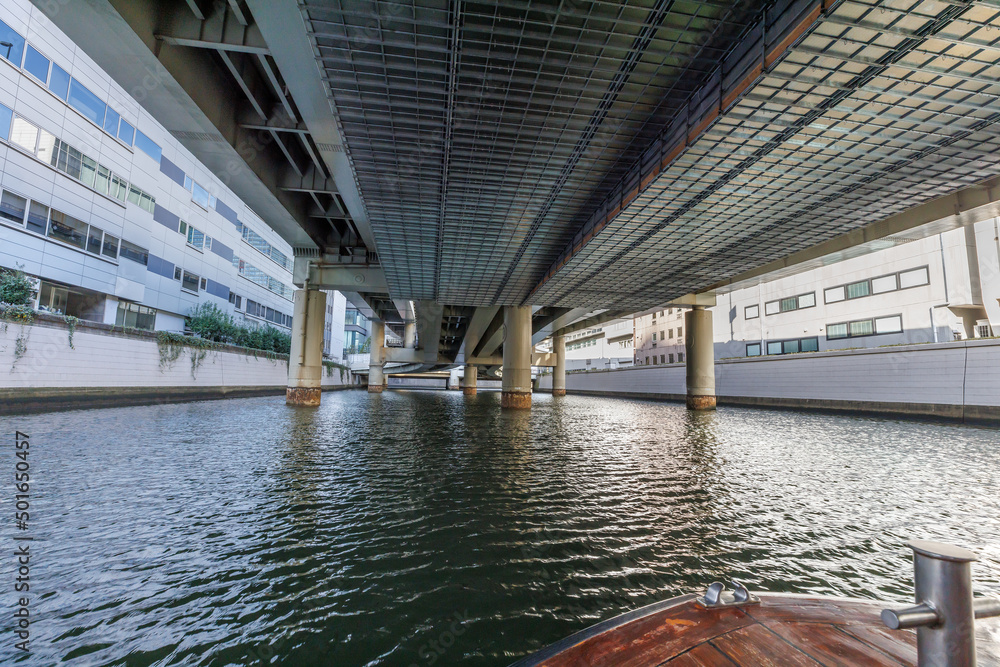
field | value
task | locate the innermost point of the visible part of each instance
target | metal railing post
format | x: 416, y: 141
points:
x: 945, y: 613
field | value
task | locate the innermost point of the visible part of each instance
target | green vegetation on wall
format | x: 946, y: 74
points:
x: 213, y: 324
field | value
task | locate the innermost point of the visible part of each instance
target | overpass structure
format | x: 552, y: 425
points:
x: 482, y: 175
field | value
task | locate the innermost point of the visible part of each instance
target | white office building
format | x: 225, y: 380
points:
x: 116, y: 220
x: 935, y: 289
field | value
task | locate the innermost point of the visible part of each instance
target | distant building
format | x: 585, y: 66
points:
x: 113, y: 217
x: 935, y: 289
x: 357, y: 329
x: 608, y: 345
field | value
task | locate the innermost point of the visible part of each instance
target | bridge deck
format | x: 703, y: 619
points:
x: 782, y: 630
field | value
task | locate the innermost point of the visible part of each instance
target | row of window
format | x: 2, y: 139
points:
x: 861, y: 288
x: 791, y: 346
x: 255, y: 275
x: 57, y: 153
x: 260, y: 245
x: 665, y: 359
x: 71, y: 91
x: 871, y: 326
x: 255, y: 309
x: 583, y: 343
x: 189, y: 281
x: 40, y: 219
x: 680, y: 334
x: 880, y: 285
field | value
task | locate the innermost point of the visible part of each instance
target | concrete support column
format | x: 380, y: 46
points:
x: 376, y: 379
x: 470, y: 380
x: 305, y: 359
x: 409, y: 335
x: 559, y: 372
x: 700, y: 348
x: 516, y: 357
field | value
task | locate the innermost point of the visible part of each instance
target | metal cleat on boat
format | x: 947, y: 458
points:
x: 717, y: 596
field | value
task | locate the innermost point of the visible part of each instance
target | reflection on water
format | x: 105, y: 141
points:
x: 419, y: 528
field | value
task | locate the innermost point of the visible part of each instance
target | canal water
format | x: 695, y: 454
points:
x: 423, y: 528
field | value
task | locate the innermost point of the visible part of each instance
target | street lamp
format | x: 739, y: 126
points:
x: 8, y: 46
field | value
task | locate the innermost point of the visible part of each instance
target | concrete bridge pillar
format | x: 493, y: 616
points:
x: 305, y: 359
x: 409, y: 334
x: 469, y: 380
x: 516, y: 357
x: 700, y: 358
x: 559, y: 372
x: 376, y: 379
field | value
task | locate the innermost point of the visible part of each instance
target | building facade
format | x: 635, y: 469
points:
x: 113, y: 217
x: 935, y: 289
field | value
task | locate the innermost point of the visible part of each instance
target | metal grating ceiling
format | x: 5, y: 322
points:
x: 481, y: 132
x: 881, y: 106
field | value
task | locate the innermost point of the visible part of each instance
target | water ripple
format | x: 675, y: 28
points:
x: 419, y: 528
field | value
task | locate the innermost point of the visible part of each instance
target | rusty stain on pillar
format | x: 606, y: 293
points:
x: 469, y: 380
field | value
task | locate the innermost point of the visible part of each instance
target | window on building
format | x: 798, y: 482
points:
x: 148, y: 146
x: 791, y: 346
x: 24, y: 135
x: 670, y: 333
x: 13, y: 52
x: 195, y: 238
x: 809, y: 344
x: 680, y: 356
x: 36, y: 64
x: 190, y: 281
x: 86, y: 102
x: 647, y: 361
x: 12, y: 207
x: 670, y: 358
x: 6, y: 116
x: 95, y: 239
x: 662, y: 359
x: 59, y: 82
x: 111, y: 122
x: 774, y: 347
x: 68, y: 229
x: 834, y: 294
x: 110, y: 246
x: 891, y: 324
x: 858, y: 289
x: 861, y: 328
x: 46, y: 146
x: 126, y: 132
x: 834, y: 331
x: 884, y: 284
x: 654, y: 336
x: 134, y: 253
x: 751, y: 312
x: 680, y: 332
x: 135, y: 316
x: 199, y: 195
x: 772, y: 308
x: 177, y: 273
x: 913, y: 278
x: 38, y: 218
x: 753, y: 350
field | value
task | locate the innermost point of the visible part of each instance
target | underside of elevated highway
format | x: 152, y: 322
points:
x: 462, y: 168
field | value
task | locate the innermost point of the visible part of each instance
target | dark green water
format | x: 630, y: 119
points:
x: 419, y: 528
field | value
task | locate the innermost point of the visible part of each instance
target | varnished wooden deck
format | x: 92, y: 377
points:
x: 785, y: 630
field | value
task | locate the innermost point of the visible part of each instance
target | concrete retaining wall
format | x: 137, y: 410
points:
x: 110, y: 368
x: 959, y: 380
